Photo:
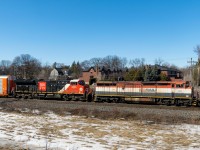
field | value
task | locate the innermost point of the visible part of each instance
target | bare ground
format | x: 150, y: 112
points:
x: 105, y: 111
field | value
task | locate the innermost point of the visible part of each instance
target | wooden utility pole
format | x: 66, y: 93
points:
x: 191, y: 68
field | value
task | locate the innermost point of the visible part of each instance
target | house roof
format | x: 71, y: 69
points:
x: 60, y: 72
x: 103, y: 69
x: 164, y: 68
x: 94, y: 68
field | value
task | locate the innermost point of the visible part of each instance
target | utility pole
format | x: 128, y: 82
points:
x: 191, y: 67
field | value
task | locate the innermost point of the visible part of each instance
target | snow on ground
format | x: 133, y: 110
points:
x: 50, y: 131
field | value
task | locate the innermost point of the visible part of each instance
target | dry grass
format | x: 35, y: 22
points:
x: 94, y: 113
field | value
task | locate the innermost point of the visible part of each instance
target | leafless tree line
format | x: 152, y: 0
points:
x: 26, y: 66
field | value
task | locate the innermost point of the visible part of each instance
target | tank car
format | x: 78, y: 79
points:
x: 164, y: 92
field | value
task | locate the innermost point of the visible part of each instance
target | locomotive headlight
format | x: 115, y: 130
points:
x: 81, y: 89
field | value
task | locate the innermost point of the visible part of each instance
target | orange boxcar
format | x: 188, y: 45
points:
x: 7, y: 85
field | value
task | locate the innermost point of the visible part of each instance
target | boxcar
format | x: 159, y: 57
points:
x: 7, y: 85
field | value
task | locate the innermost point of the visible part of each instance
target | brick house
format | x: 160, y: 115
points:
x: 172, y: 73
x: 101, y: 73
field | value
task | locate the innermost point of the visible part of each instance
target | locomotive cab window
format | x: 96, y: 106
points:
x: 187, y: 84
x: 179, y: 85
x: 73, y: 83
x: 81, y: 82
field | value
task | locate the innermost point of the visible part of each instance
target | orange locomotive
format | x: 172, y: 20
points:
x: 76, y: 90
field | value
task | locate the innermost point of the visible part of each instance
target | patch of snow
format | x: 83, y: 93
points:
x: 50, y: 131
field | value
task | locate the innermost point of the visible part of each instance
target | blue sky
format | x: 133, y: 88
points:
x: 76, y: 30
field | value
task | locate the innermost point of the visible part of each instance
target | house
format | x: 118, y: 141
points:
x: 94, y: 74
x: 58, y: 73
x: 172, y: 73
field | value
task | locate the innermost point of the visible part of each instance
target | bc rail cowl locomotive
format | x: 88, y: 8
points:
x: 165, y: 92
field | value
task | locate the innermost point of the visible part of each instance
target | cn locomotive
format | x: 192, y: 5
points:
x: 64, y: 89
x: 176, y: 92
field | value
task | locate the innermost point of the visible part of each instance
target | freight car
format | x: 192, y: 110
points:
x: 7, y: 85
x: 164, y: 92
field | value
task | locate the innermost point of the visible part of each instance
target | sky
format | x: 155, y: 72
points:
x: 64, y: 31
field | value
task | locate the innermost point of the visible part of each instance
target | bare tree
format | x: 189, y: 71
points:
x: 114, y: 62
x: 45, y: 72
x: 197, y: 51
x: 5, y: 67
x: 159, y: 61
x: 123, y: 62
x: 96, y: 61
x: 26, y: 66
x: 136, y: 63
x: 85, y: 65
x: 108, y: 62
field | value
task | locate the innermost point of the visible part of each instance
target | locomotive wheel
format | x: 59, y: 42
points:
x: 66, y: 97
x: 169, y: 103
x: 178, y: 103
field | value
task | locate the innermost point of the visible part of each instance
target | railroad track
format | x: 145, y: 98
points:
x: 80, y: 103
